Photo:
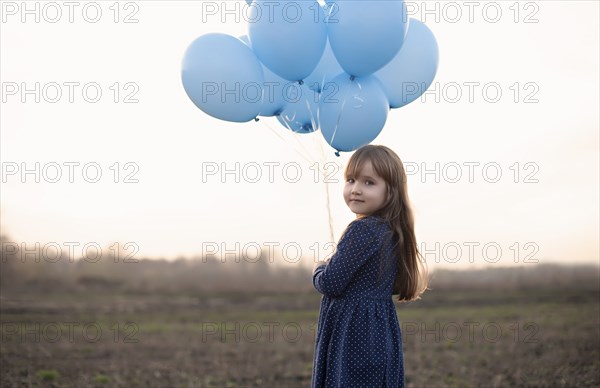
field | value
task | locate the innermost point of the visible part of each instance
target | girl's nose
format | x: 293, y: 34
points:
x: 355, y: 189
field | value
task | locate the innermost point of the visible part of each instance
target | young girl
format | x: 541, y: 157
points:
x: 358, y: 341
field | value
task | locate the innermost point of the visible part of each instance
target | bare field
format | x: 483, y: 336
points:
x: 462, y: 337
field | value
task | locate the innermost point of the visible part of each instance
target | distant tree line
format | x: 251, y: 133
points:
x: 23, y: 271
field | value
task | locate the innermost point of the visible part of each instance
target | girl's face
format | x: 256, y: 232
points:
x: 365, y: 193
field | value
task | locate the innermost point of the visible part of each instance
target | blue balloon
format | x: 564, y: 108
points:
x: 366, y: 35
x: 288, y: 36
x: 300, y: 113
x: 352, y: 112
x: 273, y: 99
x: 327, y: 69
x: 413, y: 69
x: 223, y: 77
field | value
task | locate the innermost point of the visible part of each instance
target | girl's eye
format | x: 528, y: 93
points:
x: 349, y: 180
x: 369, y: 182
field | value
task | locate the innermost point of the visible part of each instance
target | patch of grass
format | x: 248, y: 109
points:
x: 48, y: 375
x: 101, y: 379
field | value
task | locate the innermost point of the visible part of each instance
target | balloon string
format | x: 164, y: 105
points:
x: 316, y: 126
x: 323, y: 160
x: 314, y: 122
x: 286, y: 142
x: 327, y: 196
x: 297, y: 136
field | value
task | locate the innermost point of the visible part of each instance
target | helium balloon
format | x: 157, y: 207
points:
x: 223, y: 77
x: 288, y: 36
x: 353, y: 112
x: 366, y: 35
x: 273, y: 101
x: 413, y: 69
x: 300, y: 113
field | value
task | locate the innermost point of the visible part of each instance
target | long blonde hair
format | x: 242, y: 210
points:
x: 412, y: 278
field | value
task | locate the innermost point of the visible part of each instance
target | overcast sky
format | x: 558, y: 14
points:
x: 541, y: 134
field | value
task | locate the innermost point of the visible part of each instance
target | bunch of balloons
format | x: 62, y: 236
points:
x: 338, y: 68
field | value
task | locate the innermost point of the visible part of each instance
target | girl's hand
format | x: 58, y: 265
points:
x: 318, y: 264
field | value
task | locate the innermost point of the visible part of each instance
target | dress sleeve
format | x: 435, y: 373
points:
x: 353, y: 250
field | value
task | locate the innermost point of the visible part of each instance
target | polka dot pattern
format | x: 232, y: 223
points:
x: 358, y: 341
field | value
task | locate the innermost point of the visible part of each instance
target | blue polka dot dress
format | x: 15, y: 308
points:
x: 358, y: 341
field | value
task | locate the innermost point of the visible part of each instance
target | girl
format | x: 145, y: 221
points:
x: 358, y: 341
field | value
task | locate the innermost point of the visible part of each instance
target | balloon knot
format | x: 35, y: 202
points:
x: 352, y: 78
x: 301, y: 82
x: 256, y: 119
x: 337, y: 153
